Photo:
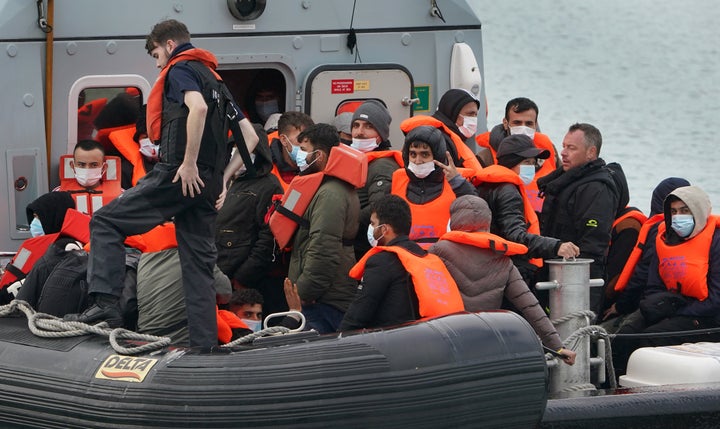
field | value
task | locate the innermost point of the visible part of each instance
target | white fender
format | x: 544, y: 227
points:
x: 464, y: 69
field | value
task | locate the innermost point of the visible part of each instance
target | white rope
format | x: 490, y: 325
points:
x: 48, y: 326
x: 249, y: 338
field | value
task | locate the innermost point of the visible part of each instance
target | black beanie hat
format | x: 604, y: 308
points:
x: 50, y: 208
x: 426, y: 134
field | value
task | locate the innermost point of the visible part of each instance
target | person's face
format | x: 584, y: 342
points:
x: 574, y: 152
x: 288, y: 141
x: 265, y: 95
x: 315, y: 158
x: 249, y: 311
x: 162, y: 52
x: 526, y: 161
x: 378, y: 229
x: 470, y: 109
x: 420, y: 154
x: 679, y: 207
x: 527, y: 118
x: 362, y: 129
x: 88, y: 159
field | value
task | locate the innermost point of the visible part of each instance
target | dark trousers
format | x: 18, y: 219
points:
x: 153, y: 201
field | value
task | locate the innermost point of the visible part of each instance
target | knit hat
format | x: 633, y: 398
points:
x: 661, y: 192
x: 426, y: 134
x: 515, y: 148
x: 470, y: 213
x: 452, y: 102
x: 374, y: 112
x: 50, y: 208
x: 343, y: 122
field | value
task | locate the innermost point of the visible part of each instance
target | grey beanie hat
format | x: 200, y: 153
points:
x: 343, y: 122
x: 374, y: 112
x: 470, y: 213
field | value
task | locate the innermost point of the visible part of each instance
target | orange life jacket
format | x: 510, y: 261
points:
x: 435, y: 288
x: 122, y: 139
x: 154, y: 104
x: 429, y: 220
x: 541, y: 141
x: 88, y: 201
x: 684, y: 267
x: 76, y: 225
x: 273, y: 135
x: 499, y: 174
x: 161, y: 237
x: 468, y: 158
x: 226, y: 322
x: 486, y: 240
x: 395, y: 154
x: 636, y: 253
x: 345, y: 163
x: 86, y: 117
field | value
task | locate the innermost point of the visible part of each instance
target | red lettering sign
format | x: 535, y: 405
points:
x: 342, y: 86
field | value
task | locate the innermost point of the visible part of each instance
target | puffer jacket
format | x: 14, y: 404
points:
x: 484, y: 277
x: 322, y: 253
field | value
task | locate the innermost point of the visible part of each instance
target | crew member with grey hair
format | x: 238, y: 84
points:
x: 480, y: 264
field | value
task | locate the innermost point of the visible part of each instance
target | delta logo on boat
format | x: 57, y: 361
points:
x: 125, y: 368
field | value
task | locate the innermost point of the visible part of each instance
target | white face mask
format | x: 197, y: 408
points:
x: 266, y: 108
x: 469, y: 126
x: 254, y: 325
x: 149, y: 149
x: 423, y: 170
x: 301, y: 159
x: 371, y: 236
x: 88, y: 177
x: 364, y: 145
x: 527, y: 173
x: 522, y: 129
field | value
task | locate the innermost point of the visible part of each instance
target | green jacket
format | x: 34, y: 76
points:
x: 322, y: 253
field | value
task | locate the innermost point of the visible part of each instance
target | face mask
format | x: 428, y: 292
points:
x: 266, y: 108
x: 423, y: 170
x: 527, y: 173
x: 371, y: 236
x: 88, y: 177
x: 243, y: 169
x: 469, y: 126
x: 683, y: 224
x: 530, y: 132
x: 149, y: 149
x: 302, y: 160
x: 254, y: 325
x: 36, y: 228
x: 364, y: 145
x: 293, y: 152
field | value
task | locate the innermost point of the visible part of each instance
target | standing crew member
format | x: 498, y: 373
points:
x: 183, y: 115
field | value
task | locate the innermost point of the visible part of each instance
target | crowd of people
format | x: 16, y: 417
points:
x: 331, y: 221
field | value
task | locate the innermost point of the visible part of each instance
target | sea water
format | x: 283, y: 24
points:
x: 646, y: 73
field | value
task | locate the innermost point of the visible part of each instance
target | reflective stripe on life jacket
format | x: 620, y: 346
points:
x: 499, y: 174
x: 429, y: 220
x: 684, y: 267
x: 486, y: 240
x: 435, y: 288
x: 468, y: 158
x: 89, y: 200
x: 636, y: 253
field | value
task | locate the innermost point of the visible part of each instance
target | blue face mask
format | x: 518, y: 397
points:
x: 254, y: 325
x: 527, y: 173
x: 293, y: 153
x: 301, y: 159
x: 683, y: 224
x: 36, y: 228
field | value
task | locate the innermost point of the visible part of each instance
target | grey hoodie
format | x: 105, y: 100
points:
x: 697, y: 201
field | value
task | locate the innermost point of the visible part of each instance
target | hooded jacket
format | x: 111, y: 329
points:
x: 448, y: 110
x: 244, y: 241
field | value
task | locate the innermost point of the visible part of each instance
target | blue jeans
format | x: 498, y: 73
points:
x: 322, y: 317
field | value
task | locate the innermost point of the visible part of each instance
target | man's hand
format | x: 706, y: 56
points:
x: 610, y: 313
x: 190, y: 177
x: 568, y: 356
x: 291, y: 295
x: 221, y: 198
x: 568, y: 250
x: 449, y: 169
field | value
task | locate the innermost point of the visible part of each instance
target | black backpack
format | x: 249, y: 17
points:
x: 65, y: 290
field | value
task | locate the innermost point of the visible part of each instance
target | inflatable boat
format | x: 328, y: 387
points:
x: 462, y: 370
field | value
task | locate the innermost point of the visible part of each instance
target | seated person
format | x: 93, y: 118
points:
x: 247, y: 304
x: 394, y: 287
x: 429, y: 183
x: 484, y: 274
